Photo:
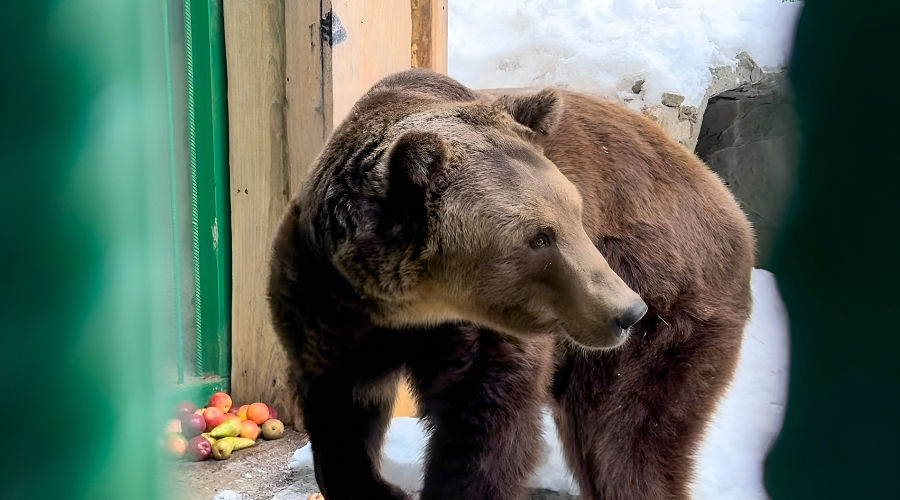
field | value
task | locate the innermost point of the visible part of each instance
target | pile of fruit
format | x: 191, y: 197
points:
x: 219, y: 429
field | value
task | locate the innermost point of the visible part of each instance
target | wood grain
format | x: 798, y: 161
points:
x: 260, y: 179
x: 377, y: 43
x: 429, y: 34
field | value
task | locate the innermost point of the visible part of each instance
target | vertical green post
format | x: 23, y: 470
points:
x: 173, y: 189
x: 208, y: 139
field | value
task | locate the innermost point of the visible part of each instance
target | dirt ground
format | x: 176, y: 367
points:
x: 261, y: 473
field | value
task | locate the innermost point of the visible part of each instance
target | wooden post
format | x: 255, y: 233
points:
x: 295, y: 68
x: 260, y: 176
x: 429, y: 34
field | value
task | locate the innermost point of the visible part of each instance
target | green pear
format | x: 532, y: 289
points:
x: 222, y: 449
x: 272, y: 429
x: 238, y: 443
x: 229, y: 428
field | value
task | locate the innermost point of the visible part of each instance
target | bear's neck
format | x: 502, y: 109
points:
x: 319, y: 289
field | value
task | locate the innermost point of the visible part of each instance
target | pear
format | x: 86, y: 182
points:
x: 272, y: 429
x: 229, y: 428
x: 222, y: 449
x: 238, y: 443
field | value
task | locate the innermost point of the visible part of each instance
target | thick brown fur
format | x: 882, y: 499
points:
x: 364, y: 263
x: 631, y: 418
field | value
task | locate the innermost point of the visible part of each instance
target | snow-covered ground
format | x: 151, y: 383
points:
x: 604, y: 46
x: 731, y: 457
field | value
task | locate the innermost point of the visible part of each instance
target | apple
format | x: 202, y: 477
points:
x: 213, y: 417
x: 249, y: 429
x: 273, y: 413
x: 184, y: 407
x: 192, y: 424
x: 242, y: 412
x: 176, y: 445
x: 198, y: 449
x: 258, y: 412
x: 221, y: 401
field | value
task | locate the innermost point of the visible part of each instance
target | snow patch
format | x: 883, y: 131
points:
x: 604, y: 46
x: 227, y: 495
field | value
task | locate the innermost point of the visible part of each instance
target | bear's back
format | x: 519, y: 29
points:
x: 664, y: 221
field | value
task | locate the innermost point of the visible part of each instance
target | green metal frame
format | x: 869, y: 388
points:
x: 210, y: 216
x: 208, y: 132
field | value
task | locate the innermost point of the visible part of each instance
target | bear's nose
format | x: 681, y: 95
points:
x: 632, y: 315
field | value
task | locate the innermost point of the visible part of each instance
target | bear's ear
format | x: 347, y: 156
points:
x: 540, y: 112
x: 412, y: 160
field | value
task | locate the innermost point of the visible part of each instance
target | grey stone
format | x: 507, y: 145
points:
x: 748, y: 70
x: 638, y: 86
x: 508, y: 64
x: 689, y: 113
x: 672, y: 100
x: 542, y: 494
x: 746, y: 138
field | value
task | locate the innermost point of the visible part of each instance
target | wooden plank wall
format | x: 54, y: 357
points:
x: 289, y: 83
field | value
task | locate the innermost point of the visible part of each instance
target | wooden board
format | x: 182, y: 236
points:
x: 254, y: 44
x: 289, y: 83
x: 308, y: 80
x: 429, y: 34
x: 376, y: 43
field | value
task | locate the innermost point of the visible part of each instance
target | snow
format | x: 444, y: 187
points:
x: 604, y: 46
x: 227, y: 495
x: 748, y: 418
x: 730, y: 459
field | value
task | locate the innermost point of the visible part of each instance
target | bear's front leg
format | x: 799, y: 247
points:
x: 481, y: 395
x: 346, y: 425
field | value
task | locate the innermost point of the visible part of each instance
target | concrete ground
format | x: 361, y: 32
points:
x: 262, y: 473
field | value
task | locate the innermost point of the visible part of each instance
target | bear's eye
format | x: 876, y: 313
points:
x: 541, y: 240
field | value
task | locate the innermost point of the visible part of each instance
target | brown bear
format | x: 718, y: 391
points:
x: 498, y: 250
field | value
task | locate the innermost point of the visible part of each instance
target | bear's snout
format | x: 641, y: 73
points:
x: 631, y: 315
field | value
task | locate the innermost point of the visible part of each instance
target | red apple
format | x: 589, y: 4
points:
x: 192, y: 424
x: 221, y: 401
x: 184, y: 407
x: 273, y: 413
x: 213, y: 417
x: 198, y: 448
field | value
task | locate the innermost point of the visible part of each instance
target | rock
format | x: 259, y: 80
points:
x: 544, y: 494
x: 638, y: 86
x: 746, y: 138
x: 672, y: 100
x: 747, y: 69
x: 689, y: 113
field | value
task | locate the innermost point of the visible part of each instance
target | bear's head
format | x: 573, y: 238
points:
x: 436, y: 205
